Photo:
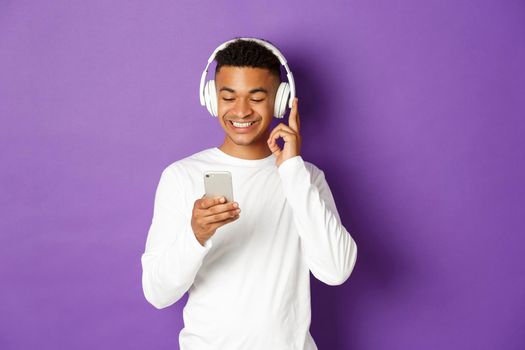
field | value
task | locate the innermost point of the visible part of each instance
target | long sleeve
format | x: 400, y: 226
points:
x: 329, y: 249
x: 172, y: 254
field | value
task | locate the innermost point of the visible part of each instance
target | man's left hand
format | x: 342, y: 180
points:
x: 290, y: 134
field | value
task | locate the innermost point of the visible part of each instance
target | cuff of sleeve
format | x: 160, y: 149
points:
x: 194, y: 243
x: 290, y: 170
x: 295, y: 180
x: 291, y: 163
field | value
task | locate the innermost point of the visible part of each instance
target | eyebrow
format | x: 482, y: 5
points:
x: 252, y: 91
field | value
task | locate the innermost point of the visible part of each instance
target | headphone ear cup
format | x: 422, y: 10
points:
x: 210, y: 97
x: 281, y: 99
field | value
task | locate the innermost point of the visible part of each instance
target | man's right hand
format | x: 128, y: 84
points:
x: 210, y: 214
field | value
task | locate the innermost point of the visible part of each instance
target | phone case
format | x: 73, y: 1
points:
x: 218, y: 183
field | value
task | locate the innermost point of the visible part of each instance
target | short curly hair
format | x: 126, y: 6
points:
x: 248, y: 53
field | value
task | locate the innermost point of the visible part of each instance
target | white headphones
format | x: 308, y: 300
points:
x: 285, y: 92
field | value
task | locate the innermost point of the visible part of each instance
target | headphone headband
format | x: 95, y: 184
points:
x: 269, y: 46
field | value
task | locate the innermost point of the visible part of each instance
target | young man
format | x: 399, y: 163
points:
x: 247, y: 272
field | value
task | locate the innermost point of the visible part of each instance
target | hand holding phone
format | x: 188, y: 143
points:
x: 216, y: 207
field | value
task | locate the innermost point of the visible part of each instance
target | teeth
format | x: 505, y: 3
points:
x: 242, y: 125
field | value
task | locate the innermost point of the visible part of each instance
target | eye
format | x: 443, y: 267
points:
x: 227, y: 99
x: 257, y: 100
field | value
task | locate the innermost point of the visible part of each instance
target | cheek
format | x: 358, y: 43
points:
x: 266, y: 108
x: 220, y: 107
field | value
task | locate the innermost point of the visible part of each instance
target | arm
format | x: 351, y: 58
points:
x: 329, y: 249
x: 172, y: 254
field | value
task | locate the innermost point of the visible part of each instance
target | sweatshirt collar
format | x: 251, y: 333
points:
x: 246, y: 162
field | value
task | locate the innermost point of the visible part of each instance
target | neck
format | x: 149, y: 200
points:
x: 252, y: 151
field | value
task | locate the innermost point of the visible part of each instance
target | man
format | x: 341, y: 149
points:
x: 246, y: 263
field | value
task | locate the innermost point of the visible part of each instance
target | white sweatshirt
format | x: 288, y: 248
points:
x: 249, y: 285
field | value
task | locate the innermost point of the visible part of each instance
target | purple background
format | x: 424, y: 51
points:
x: 414, y: 110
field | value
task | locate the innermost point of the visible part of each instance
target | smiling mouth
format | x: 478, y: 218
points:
x: 242, y: 124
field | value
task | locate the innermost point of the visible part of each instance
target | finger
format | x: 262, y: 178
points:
x: 287, y: 128
x: 218, y: 224
x: 271, y: 139
x: 288, y: 138
x: 276, y: 150
x: 293, y: 118
x: 280, y: 126
x: 207, y: 202
x: 219, y: 208
x: 285, y: 134
x: 220, y: 217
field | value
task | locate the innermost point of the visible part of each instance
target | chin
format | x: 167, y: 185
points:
x: 242, y: 141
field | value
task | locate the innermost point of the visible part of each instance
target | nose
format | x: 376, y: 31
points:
x: 242, y: 108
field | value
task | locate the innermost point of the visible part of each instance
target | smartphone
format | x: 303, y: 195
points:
x: 218, y: 183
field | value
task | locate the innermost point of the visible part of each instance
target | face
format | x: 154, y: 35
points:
x: 245, y: 95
